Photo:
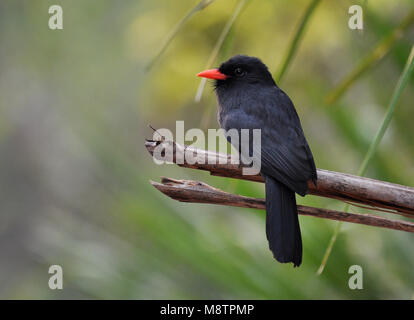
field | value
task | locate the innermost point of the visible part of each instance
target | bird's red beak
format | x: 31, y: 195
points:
x: 212, y: 74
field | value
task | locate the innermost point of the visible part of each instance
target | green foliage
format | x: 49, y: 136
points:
x: 402, y: 82
x: 74, y: 186
x: 218, y: 45
x: 373, y: 57
x: 296, y: 40
x: 199, y: 6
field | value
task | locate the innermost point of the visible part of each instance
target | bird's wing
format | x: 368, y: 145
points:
x: 287, y: 161
x: 285, y: 152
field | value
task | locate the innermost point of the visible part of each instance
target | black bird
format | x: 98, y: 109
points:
x: 248, y: 98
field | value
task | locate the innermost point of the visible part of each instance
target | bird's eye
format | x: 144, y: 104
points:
x: 239, y: 72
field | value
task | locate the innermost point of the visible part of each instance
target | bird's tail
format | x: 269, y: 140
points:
x: 282, y: 223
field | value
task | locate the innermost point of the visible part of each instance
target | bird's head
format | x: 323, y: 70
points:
x: 240, y: 71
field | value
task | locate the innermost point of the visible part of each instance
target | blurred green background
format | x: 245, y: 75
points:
x: 74, y: 173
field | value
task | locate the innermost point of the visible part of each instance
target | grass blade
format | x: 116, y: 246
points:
x: 198, y: 7
x: 401, y: 84
x: 218, y: 45
x: 296, y: 40
x: 382, y: 48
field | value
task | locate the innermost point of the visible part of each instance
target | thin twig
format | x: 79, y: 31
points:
x: 335, y: 185
x: 199, y: 192
x: 156, y: 131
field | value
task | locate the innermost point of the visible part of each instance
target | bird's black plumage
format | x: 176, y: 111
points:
x: 250, y: 99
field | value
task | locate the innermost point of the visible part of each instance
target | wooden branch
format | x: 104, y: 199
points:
x: 199, y: 192
x: 345, y: 187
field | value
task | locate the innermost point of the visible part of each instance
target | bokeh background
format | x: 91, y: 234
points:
x: 74, y: 173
